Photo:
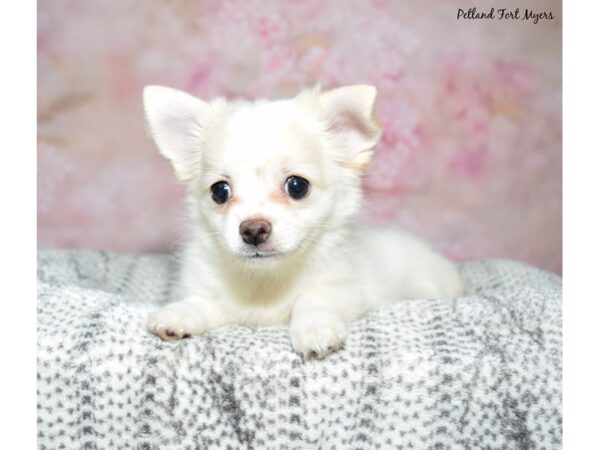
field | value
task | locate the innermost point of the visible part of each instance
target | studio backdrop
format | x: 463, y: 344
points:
x: 471, y: 109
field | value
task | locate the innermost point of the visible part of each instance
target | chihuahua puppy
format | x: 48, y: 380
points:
x: 273, y: 188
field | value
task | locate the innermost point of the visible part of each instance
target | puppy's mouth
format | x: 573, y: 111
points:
x: 261, y: 255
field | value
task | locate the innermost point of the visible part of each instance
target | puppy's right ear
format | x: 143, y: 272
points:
x: 176, y: 121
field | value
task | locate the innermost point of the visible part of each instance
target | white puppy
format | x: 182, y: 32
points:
x: 273, y: 191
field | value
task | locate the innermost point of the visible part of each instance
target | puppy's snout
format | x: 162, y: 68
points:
x: 255, y: 231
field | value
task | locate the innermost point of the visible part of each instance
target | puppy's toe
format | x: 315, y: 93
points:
x: 174, y: 322
x: 168, y: 334
x: 171, y: 335
x: 317, y: 335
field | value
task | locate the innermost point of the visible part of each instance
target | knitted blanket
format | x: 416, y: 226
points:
x: 481, y: 371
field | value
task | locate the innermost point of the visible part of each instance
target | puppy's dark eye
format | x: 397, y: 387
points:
x: 297, y: 187
x: 221, y: 192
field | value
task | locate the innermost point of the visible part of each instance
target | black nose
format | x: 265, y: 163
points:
x: 255, y: 231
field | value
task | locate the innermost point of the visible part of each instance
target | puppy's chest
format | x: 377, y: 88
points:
x: 259, y: 310
x: 259, y: 301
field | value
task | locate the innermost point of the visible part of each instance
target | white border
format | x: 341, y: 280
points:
x: 18, y: 225
x: 581, y: 212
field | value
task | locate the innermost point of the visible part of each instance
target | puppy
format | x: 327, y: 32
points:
x: 273, y: 188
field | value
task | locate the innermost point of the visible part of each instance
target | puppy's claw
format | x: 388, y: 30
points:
x: 316, y: 336
x: 169, y: 335
x: 176, y: 321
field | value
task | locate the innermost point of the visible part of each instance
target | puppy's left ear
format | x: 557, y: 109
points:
x: 177, y: 122
x: 351, y: 121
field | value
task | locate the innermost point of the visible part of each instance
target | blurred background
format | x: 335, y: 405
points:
x: 471, y: 109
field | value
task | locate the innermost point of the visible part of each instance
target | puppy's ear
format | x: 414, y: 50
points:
x: 350, y: 119
x: 176, y: 121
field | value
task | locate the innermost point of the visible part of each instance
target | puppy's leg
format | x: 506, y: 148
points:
x: 319, y: 318
x: 185, y: 318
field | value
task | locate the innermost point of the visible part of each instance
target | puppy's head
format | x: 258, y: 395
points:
x: 268, y: 180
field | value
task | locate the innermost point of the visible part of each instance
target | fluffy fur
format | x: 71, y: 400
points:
x: 317, y: 270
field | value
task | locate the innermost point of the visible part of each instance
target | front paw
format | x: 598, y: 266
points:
x: 176, y: 321
x: 315, y: 335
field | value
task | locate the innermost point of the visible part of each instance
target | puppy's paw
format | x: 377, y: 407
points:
x: 317, y: 335
x: 178, y: 320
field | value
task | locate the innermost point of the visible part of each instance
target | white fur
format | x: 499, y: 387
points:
x: 320, y: 271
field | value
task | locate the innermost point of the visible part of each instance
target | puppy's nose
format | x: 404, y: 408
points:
x: 255, y: 231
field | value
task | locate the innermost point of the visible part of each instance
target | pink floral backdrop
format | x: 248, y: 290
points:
x: 471, y: 153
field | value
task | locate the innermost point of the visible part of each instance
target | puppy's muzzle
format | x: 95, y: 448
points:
x: 255, y: 231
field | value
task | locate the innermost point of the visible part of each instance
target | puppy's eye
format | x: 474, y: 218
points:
x: 221, y: 192
x: 297, y: 187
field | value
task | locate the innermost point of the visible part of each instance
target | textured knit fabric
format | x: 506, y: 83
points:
x: 480, y: 371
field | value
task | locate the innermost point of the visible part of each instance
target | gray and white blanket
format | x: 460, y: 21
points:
x: 481, y: 371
